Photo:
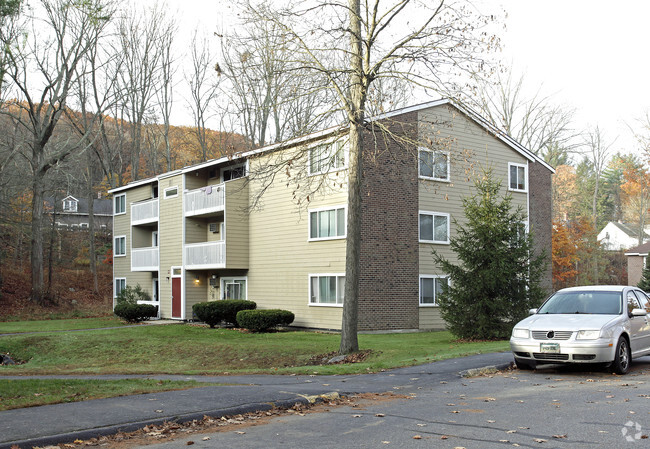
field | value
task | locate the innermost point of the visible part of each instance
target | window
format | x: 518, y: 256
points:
x: 119, y: 204
x: 326, y: 157
x: 326, y: 289
x: 171, y: 192
x: 69, y: 205
x: 434, y: 227
x: 517, y: 177
x: 233, y: 288
x: 83, y: 225
x: 231, y: 173
x: 632, y: 302
x: 119, y: 246
x: 431, y: 287
x: 327, y: 224
x: 433, y: 164
x: 120, y: 284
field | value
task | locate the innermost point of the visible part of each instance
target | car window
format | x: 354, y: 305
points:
x: 644, y: 300
x: 583, y: 301
x: 632, y: 301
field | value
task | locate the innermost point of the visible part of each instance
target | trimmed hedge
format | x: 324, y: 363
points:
x: 264, y: 319
x: 127, y: 306
x: 134, y: 313
x: 214, y: 312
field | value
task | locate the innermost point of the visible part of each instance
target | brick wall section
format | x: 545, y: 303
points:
x: 388, y: 293
x: 634, y: 269
x: 541, y: 224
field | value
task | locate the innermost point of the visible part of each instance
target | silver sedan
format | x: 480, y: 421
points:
x: 599, y: 324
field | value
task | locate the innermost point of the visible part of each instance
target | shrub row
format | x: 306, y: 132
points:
x: 127, y: 306
x: 134, y: 313
x: 214, y: 312
x: 261, y: 320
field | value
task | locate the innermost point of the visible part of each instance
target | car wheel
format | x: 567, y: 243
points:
x: 525, y: 365
x: 622, y: 357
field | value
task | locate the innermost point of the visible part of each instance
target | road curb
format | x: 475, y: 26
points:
x: 86, y: 434
x: 490, y: 369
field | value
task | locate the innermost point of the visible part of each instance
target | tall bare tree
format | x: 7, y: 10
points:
x: 165, y: 92
x: 352, y: 44
x: 532, y: 119
x: 203, y: 80
x: 42, y: 71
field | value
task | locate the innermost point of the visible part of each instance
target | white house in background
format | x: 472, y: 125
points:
x: 617, y: 236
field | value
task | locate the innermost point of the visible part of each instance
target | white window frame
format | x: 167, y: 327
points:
x: 339, y: 301
x: 516, y: 189
x: 435, y: 298
x: 328, y: 209
x: 232, y: 168
x: 330, y: 162
x: 115, y: 246
x: 230, y: 280
x: 122, y: 199
x: 115, y: 280
x: 433, y: 168
x: 70, y: 205
x: 167, y: 195
x: 433, y: 215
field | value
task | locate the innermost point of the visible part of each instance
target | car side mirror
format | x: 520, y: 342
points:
x: 639, y: 312
x: 532, y: 311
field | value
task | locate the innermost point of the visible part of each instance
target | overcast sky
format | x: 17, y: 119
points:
x: 590, y: 55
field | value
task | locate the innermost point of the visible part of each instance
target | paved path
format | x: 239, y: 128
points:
x: 51, y: 424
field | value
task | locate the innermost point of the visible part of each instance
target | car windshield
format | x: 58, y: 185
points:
x: 591, y: 302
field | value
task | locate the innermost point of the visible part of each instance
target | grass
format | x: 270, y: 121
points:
x: 32, y: 392
x: 58, y: 325
x: 187, y: 349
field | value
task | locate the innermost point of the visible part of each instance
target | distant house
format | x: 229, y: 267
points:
x: 636, y: 259
x: 617, y: 236
x: 72, y: 213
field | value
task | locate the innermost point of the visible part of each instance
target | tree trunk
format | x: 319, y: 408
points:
x: 37, y: 294
x: 91, y: 226
x: 349, y: 338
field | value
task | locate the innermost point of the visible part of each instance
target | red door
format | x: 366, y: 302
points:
x: 176, y: 298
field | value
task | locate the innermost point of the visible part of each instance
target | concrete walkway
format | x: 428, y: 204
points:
x: 59, y: 423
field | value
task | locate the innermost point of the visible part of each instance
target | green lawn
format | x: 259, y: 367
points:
x: 31, y: 392
x: 187, y: 349
x: 8, y: 327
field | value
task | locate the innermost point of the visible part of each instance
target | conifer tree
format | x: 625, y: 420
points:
x: 644, y: 283
x: 497, y: 277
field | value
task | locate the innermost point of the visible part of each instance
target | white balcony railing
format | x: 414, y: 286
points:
x: 144, y: 259
x: 205, y: 255
x: 144, y: 212
x: 204, y: 200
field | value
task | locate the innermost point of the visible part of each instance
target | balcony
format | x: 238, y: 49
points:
x: 144, y: 259
x: 205, y: 255
x: 205, y: 200
x: 144, y: 212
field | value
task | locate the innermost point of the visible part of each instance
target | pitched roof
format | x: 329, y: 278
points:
x: 466, y: 110
x: 641, y: 250
x: 629, y: 230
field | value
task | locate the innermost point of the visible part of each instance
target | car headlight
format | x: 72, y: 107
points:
x: 520, y: 333
x: 588, y: 335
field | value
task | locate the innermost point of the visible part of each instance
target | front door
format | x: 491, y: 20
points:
x: 176, y: 298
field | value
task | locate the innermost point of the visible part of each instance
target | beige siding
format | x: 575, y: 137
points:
x: 282, y: 258
x: 195, y: 291
x: 170, y: 237
x: 473, y: 150
x: 237, y: 224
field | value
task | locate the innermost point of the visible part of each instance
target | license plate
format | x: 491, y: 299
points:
x: 549, y: 347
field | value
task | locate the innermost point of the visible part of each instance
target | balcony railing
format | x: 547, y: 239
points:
x: 144, y: 212
x: 144, y: 259
x: 204, y: 200
x: 205, y: 255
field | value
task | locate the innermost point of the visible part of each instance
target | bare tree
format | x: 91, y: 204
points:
x: 203, y: 80
x: 165, y: 92
x: 143, y: 41
x: 42, y: 70
x: 353, y: 44
x: 534, y: 121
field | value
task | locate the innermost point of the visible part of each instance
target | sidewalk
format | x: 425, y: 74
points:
x: 59, y: 423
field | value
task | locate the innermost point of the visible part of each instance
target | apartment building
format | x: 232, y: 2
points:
x: 270, y: 225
